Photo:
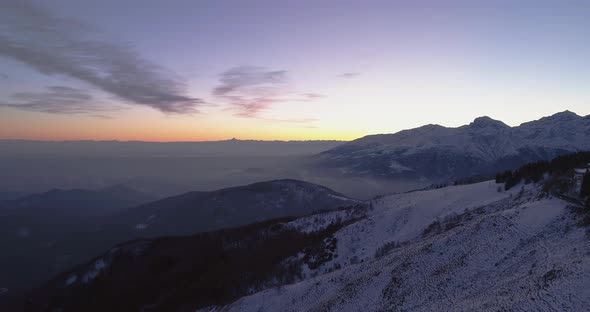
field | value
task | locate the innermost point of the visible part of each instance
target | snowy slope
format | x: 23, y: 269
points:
x: 460, y: 248
x: 402, y: 217
x: 482, y: 147
x: 493, y: 251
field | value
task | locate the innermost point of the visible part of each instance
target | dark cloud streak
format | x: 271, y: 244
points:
x: 251, y: 89
x: 54, y: 45
x: 56, y: 100
x: 310, y: 96
x: 238, y: 79
x: 349, y: 75
x: 294, y: 120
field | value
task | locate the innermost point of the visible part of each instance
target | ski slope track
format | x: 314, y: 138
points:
x: 461, y: 248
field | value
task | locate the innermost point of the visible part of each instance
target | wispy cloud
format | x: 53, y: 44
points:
x: 244, y: 106
x: 57, y: 100
x: 250, y: 89
x: 99, y: 116
x: 309, y: 97
x: 247, y: 78
x: 293, y: 120
x: 349, y: 75
x: 58, y: 46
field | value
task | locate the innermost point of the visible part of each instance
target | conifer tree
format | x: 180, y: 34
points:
x: 586, y: 185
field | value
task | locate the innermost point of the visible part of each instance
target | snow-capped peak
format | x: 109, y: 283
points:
x: 485, y: 146
x: 487, y: 122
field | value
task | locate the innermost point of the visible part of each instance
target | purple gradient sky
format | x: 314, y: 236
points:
x: 371, y: 67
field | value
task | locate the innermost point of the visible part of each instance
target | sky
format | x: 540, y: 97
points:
x: 183, y: 70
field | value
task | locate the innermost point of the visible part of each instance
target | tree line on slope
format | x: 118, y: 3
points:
x: 561, y: 166
x: 190, y: 272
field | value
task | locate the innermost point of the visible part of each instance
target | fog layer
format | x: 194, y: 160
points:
x: 165, y: 169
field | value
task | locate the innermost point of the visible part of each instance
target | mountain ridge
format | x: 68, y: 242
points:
x: 48, y: 243
x: 77, y: 202
x: 217, y: 209
x: 436, y: 152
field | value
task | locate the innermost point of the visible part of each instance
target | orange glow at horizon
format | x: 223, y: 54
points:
x: 151, y: 127
x: 189, y: 137
x: 174, y: 137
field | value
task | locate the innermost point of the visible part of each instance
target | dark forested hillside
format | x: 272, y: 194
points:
x: 185, y: 273
x: 53, y: 231
x: 534, y: 172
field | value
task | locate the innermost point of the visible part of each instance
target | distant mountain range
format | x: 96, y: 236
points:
x: 207, y: 211
x: 76, y: 202
x: 438, y: 153
x: 49, y: 232
x: 40, y: 232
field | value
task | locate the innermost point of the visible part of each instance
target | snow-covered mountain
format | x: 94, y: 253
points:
x: 461, y: 248
x: 438, y: 153
x: 466, y: 248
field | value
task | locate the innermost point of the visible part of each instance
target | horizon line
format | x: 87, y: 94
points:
x: 145, y: 141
